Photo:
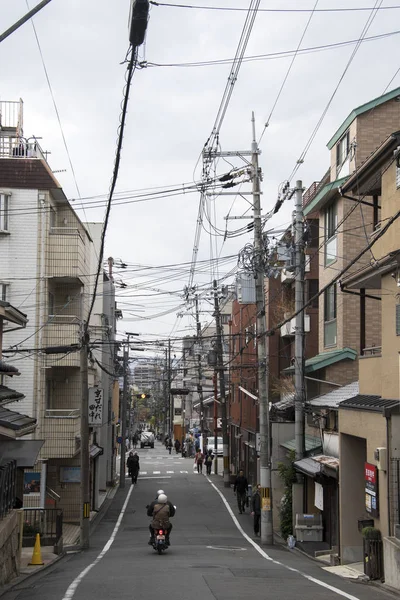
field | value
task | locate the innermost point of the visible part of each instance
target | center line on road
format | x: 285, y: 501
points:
x: 277, y: 562
x: 74, y: 585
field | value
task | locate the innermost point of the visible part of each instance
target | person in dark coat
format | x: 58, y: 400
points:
x: 150, y: 512
x: 240, y: 489
x: 256, y: 509
x: 169, y: 445
x: 133, y: 466
x: 209, y: 460
x: 177, y: 446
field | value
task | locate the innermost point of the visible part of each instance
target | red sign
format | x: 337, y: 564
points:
x: 370, y: 473
x: 371, y: 490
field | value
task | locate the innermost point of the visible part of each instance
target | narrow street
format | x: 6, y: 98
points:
x: 209, y: 558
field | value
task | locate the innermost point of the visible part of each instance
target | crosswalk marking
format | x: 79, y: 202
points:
x: 170, y: 472
x: 156, y: 472
x: 184, y: 472
x: 142, y: 472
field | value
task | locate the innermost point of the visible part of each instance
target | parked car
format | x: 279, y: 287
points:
x: 210, y: 444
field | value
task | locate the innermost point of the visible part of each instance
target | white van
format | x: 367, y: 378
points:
x: 210, y: 444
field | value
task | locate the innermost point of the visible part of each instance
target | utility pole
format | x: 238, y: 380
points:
x: 170, y: 398
x: 299, y: 331
x: 215, y: 420
x: 200, y: 371
x: 85, y: 456
x: 267, y: 536
x: 124, y: 406
x: 220, y: 367
x: 24, y: 19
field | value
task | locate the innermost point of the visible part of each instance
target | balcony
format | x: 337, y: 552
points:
x: 62, y: 330
x: 314, y: 188
x: 60, y: 429
x: 370, y: 371
x: 289, y: 329
x: 66, y: 254
x: 287, y: 276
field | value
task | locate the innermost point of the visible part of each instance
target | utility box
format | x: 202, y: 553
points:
x: 309, y: 528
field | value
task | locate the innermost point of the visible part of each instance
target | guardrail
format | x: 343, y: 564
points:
x: 8, y: 484
x: 48, y: 522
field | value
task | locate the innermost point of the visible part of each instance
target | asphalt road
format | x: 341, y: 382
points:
x: 209, y: 559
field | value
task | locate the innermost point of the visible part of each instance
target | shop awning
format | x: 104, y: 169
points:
x: 25, y: 452
x: 312, y: 444
x: 318, y: 465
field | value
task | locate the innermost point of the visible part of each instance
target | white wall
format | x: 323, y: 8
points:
x: 19, y: 268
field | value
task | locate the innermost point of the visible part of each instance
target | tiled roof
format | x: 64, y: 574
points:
x: 314, y: 465
x: 9, y: 395
x: 14, y: 420
x: 369, y: 403
x: 320, y: 361
x: 312, y: 443
x: 7, y: 369
x: 335, y: 397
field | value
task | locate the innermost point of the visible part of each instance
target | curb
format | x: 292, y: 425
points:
x: 21, y: 578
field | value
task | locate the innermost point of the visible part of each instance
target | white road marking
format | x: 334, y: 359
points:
x: 277, y: 562
x: 156, y: 472
x: 157, y: 477
x: 74, y: 585
x: 184, y: 472
x: 226, y: 548
x: 142, y: 472
x: 170, y: 472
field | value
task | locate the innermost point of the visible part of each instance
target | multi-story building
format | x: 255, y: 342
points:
x: 369, y: 423
x: 345, y: 227
x: 46, y: 271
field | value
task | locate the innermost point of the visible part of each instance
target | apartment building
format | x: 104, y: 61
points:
x: 47, y: 258
x: 369, y: 423
x: 346, y: 329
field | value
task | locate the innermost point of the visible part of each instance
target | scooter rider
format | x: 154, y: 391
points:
x: 150, y: 510
x: 161, y: 514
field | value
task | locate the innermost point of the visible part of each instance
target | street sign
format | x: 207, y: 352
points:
x: 371, y: 489
x: 96, y: 396
x: 119, y: 440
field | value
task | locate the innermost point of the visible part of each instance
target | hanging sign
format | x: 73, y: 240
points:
x: 95, y: 406
x: 371, y: 489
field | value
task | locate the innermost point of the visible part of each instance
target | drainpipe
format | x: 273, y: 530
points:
x: 362, y: 321
x: 388, y: 446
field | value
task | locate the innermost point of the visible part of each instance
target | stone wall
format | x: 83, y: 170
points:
x: 9, y: 547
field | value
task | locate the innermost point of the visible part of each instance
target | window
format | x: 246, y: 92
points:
x: 49, y: 393
x: 312, y: 290
x: 51, y: 304
x: 225, y: 318
x: 330, y: 326
x: 53, y: 217
x: 342, y: 155
x: 4, y: 212
x: 330, y: 234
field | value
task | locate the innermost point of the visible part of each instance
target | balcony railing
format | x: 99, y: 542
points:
x: 289, y: 329
x: 62, y: 330
x: 7, y: 487
x: 66, y: 253
x: 62, y: 413
x: 314, y: 188
x: 372, y: 351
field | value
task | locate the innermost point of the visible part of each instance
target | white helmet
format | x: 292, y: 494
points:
x: 162, y: 498
x: 160, y: 492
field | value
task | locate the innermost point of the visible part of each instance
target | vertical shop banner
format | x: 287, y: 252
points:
x: 95, y: 406
x: 371, y: 489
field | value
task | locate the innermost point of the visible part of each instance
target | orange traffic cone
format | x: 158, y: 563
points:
x: 37, y: 553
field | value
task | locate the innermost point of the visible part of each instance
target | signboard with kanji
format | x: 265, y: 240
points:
x: 371, y: 490
x: 95, y: 406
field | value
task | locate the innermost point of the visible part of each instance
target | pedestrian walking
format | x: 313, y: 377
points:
x: 133, y: 466
x: 208, y: 461
x: 256, y: 509
x: 198, y: 460
x: 169, y: 445
x: 240, y: 489
x: 135, y: 440
x: 177, y: 446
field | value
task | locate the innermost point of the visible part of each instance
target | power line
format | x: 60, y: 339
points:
x: 130, y: 72
x: 270, y: 10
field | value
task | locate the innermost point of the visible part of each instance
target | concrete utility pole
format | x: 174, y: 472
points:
x: 199, y: 371
x: 220, y: 367
x: 170, y: 398
x: 85, y: 454
x: 124, y: 406
x: 267, y: 536
x: 299, y: 331
x: 215, y: 420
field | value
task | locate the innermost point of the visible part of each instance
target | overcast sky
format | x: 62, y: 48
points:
x: 171, y: 114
